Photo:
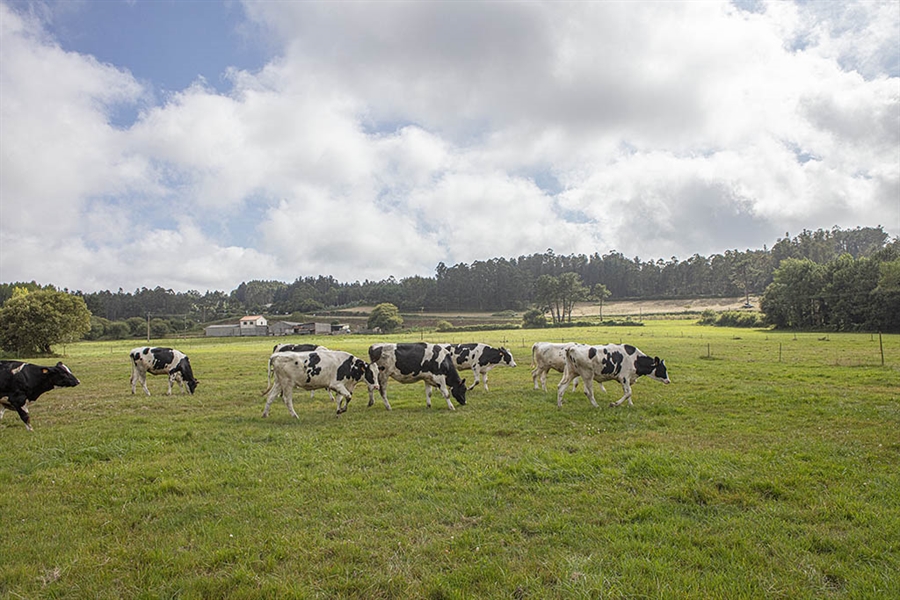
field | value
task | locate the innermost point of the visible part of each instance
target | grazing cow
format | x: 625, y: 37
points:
x: 21, y: 383
x: 623, y: 363
x: 161, y: 361
x: 481, y: 358
x: 546, y: 356
x: 334, y: 370
x: 411, y: 362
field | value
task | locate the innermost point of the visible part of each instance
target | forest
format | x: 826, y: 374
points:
x: 842, y: 279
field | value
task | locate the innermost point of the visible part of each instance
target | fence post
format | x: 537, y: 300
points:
x: 779, y: 351
x: 881, y: 347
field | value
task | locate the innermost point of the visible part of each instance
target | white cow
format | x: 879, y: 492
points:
x: 619, y: 362
x: 290, y: 348
x: 481, y: 358
x: 546, y: 356
x: 334, y: 370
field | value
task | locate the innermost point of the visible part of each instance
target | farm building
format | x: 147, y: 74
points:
x: 283, y: 328
x: 321, y: 329
x: 222, y: 330
x: 257, y: 325
x: 254, y: 325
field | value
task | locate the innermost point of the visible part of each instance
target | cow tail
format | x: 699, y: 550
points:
x: 533, y: 361
x: 570, y: 362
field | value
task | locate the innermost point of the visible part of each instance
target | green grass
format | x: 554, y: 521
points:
x: 748, y: 477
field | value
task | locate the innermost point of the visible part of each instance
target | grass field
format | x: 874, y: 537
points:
x: 770, y: 468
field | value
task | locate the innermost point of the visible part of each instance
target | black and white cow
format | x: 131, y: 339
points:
x: 21, y: 383
x: 289, y: 348
x: 547, y: 356
x: 620, y: 362
x: 412, y: 362
x: 481, y: 358
x: 334, y: 370
x: 161, y: 361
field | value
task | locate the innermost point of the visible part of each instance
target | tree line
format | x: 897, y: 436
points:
x: 839, y: 279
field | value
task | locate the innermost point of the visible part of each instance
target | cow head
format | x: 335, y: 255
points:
x: 507, y: 357
x: 61, y: 376
x: 659, y: 370
x: 371, y: 377
x: 187, y: 374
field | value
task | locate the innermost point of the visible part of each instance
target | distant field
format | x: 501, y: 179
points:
x: 611, y: 309
x: 767, y: 469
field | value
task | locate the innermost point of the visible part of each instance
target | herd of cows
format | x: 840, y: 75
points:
x: 312, y: 367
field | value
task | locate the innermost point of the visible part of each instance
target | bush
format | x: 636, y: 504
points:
x: 534, y: 319
x: 732, y: 318
x: 117, y: 330
x: 443, y: 325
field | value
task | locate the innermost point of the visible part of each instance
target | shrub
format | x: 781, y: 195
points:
x: 444, y: 325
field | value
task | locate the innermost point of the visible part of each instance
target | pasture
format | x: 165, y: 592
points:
x: 769, y: 468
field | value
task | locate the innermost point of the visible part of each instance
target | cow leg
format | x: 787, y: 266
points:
x: 382, y: 390
x: 575, y: 384
x: 428, y: 395
x: 343, y: 397
x: 288, y: 396
x: 144, y: 383
x: 484, y: 379
x: 21, y: 407
x: 544, y: 380
x: 474, y: 379
x: 273, y: 393
x: 626, y: 387
x: 446, y: 394
x: 567, y: 378
x: 589, y: 391
x: 171, y: 380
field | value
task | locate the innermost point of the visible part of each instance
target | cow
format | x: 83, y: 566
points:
x: 22, y: 383
x: 334, y: 370
x: 621, y: 362
x: 481, y: 358
x: 546, y: 356
x: 289, y: 348
x: 421, y: 361
x: 161, y: 361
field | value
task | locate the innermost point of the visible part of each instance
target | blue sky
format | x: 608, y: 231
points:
x: 167, y: 43
x: 196, y: 145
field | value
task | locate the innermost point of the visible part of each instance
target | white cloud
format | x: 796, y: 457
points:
x: 387, y: 137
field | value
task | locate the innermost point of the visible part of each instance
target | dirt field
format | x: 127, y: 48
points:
x: 611, y: 309
x: 648, y: 307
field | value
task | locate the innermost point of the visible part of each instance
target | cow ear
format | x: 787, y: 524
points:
x: 656, y: 359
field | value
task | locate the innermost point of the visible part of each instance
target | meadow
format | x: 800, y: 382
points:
x: 769, y: 468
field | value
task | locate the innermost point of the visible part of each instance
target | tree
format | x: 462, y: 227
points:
x: 571, y: 290
x: 794, y: 298
x: 385, y: 316
x: 601, y: 293
x: 559, y: 294
x: 31, y: 322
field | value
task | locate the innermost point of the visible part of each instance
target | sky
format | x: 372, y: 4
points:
x: 194, y: 145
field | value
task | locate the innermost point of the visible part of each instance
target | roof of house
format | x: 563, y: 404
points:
x: 251, y: 318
